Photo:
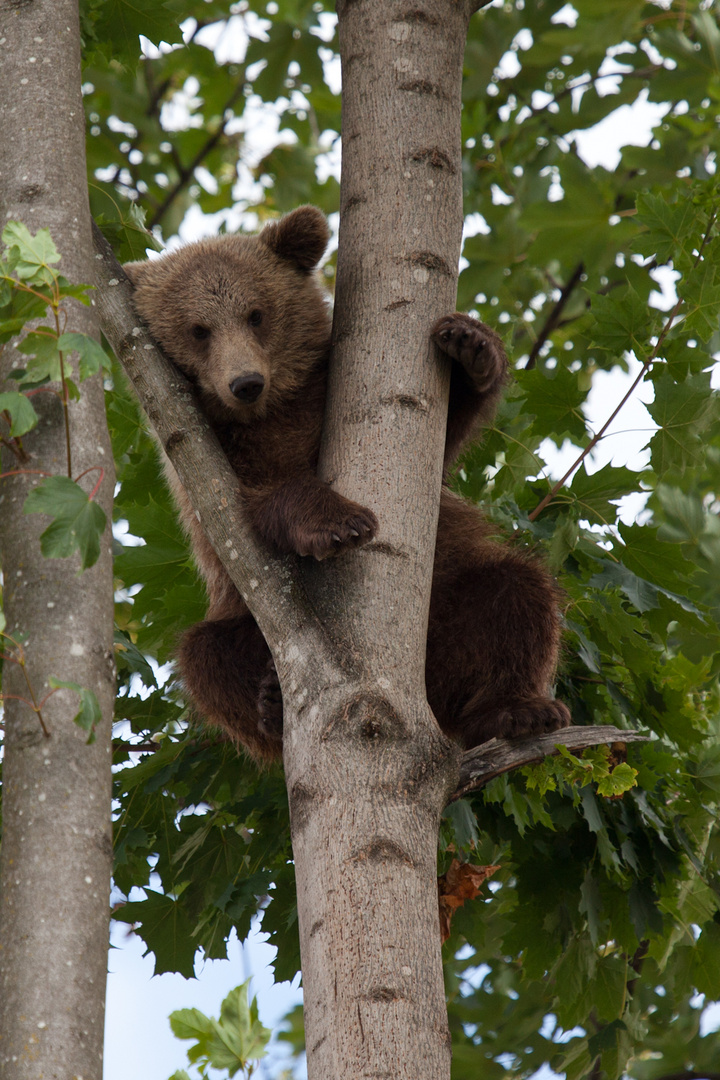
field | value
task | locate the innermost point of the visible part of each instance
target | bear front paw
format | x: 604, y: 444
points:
x: 474, y: 345
x: 352, y: 527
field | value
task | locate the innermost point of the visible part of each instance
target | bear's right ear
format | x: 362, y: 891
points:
x: 136, y: 270
x: 301, y: 236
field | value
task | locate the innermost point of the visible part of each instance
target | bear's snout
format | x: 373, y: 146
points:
x: 248, y: 388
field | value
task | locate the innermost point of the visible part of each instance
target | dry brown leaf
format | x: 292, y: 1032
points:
x: 460, y: 882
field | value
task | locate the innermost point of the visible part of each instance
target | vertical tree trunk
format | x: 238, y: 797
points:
x: 368, y: 770
x: 56, y: 849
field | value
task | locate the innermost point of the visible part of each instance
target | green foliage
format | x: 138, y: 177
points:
x: 601, y: 926
x: 233, y: 1042
x: 29, y: 289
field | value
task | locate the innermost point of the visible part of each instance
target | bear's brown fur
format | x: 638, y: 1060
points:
x: 246, y: 320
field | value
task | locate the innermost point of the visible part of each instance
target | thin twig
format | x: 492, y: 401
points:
x: 187, y: 171
x: 553, y: 318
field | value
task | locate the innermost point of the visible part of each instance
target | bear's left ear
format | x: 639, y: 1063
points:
x: 301, y: 236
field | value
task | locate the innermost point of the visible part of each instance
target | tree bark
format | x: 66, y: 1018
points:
x: 56, y: 853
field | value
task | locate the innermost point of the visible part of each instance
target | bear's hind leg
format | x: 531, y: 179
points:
x: 224, y: 664
x: 493, y: 647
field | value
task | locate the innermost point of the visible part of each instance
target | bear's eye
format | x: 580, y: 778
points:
x: 255, y: 317
x: 200, y: 333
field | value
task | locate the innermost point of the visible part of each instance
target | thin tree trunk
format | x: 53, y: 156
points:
x: 56, y: 852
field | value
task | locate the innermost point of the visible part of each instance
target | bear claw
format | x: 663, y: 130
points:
x: 321, y: 542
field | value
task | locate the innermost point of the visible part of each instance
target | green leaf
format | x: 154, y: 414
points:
x: 129, y: 656
x: 42, y: 348
x: 555, y: 399
x: 597, y: 492
x: 21, y: 307
x: 621, y: 779
x: 22, y: 415
x: 701, y: 291
x: 232, y: 1042
x: 190, y: 1024
x: 242, y: 1035
x: 166, y: 929
x: 124, y: 227
x: 572, y: 980
x: 681, y: 411
x: 93, y: 357
x: 78, y: 521
x: 706, y: 965
x: 120, y: 23
x: 30, y: 257
x: 671, y: 228
x: 653, y: 559
x: 609, y: 987
x: 622, y: 322
x: 464, y: 823
x: 563, y: 542
x: 89, y: 714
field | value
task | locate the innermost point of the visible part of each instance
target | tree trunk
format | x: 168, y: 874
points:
x: 368, y: 770
x: 56, y: 851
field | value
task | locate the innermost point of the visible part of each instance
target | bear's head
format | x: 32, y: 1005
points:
x: 244, y: 317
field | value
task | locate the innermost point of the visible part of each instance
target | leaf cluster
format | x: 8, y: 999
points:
x: 32, y: 289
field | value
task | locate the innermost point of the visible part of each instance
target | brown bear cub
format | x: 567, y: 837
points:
x: 245, y: 318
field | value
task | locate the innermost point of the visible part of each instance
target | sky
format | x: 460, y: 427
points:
x: 138, y: 1042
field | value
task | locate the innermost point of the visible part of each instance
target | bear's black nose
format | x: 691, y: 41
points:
x: 247, y: 388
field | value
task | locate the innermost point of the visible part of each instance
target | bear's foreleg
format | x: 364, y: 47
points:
x: 477, y: 379
x: 307, y: 517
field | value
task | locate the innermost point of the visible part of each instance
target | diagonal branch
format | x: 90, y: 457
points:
x: 641, y: 375
x: 186, y: 172
x: 553, y: 319
x: 497, y: 756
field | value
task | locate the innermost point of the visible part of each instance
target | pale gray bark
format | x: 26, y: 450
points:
x: 56, y: 853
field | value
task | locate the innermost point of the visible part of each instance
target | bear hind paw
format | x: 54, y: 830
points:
x: 515, y: 720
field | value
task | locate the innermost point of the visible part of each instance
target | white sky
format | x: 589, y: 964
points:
x: 138, y: 1043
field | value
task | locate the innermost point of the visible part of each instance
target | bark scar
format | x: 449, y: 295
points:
x: 381, y: 849
x: 434, y: 156
x: 429, y: 260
